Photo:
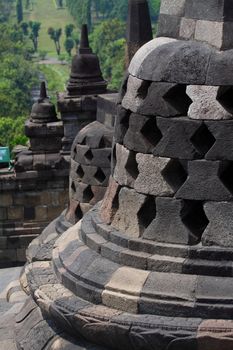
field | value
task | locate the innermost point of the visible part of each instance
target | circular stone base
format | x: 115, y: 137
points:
x: 87, y: 291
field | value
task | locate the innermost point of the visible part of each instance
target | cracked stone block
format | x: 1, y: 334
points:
x: 142, y: 134
x: 171, y: 99
x: 222, y: 149
x: 150, y: 179
x: 109, y: 205
x: 207, y: 180
x: 126, y: 218
x: 125, y: 171
x: 219, y: 232
x: 205, y: 105
x: 184, y: 225
x: 176, y: 141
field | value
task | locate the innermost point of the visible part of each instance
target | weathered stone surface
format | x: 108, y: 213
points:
x: 222, y: 148
x: 121, y: 124
x: 144, y: 52
x: 178, y: 140
x: 175, y: 7
x: 109, y: 205
x: 213, y: 10
x: 222, y: 337
x: 124, y: 288
x: 142, y: 134
x: 219, y: 71
x: 150, y: 179
x: 210, y: 32
x: 177, y: 287
x: 184, y: 62
x: 204, y: 182
x: 205, y: 104
x: 125, y: 171
x: 126, y: 218
x: 219, y: 230
x: 187, y: 28
x: 95, y: 135
x: 169, y: 26
x: 170, y: 225
x: 171, y: 99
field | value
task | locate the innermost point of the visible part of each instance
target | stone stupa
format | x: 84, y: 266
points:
x: 150, y: 267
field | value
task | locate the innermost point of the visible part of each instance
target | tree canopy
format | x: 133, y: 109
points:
x: 85, y: 10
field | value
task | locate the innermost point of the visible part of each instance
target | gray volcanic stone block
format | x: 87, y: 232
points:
x: 126, y: 218
x: 205, y: 104
x: 150, y: 179
x: 176, y: 287
x: 220, y: 229
x: 125, y: 171
x: 178, y: 138
x: 175, y: 7
x: 124, y: 288
x: 145, y: 51
x: 206, y: 181
x: 213, y: 10
x: 136, y: 90
x: 171, y: 99
x: 220, y: 71
x: 94, y: 157
x: 184, y: 62
x: 95, y: 135
x: 210, y: 32
x: 187, y: 28
x: 222, y: 149
x: 95, y: 176
x: 169, y: 25
x: 121, y: 124
x: 169, y: 224
x: 143, y: 134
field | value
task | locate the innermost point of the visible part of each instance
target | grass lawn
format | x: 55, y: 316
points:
x: 45, y: 12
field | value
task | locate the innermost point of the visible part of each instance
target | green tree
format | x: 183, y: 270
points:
x: 12, y: 131
x: 60, y: 3
x: 69, y: 30
x: 24, y: 26
x: 55, y: 35
x: 27, y: 4
x: 81, y: 10
x: 69, y: 45
x: 5, y: 10
x: 34, y: 34
x: 19, y: 11
x: 17, y: 75
x: 107, y: 41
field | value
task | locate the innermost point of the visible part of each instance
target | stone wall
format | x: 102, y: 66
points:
x: 27, y: 206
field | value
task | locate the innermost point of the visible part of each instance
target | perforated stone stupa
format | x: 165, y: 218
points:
x: 150, y: 267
